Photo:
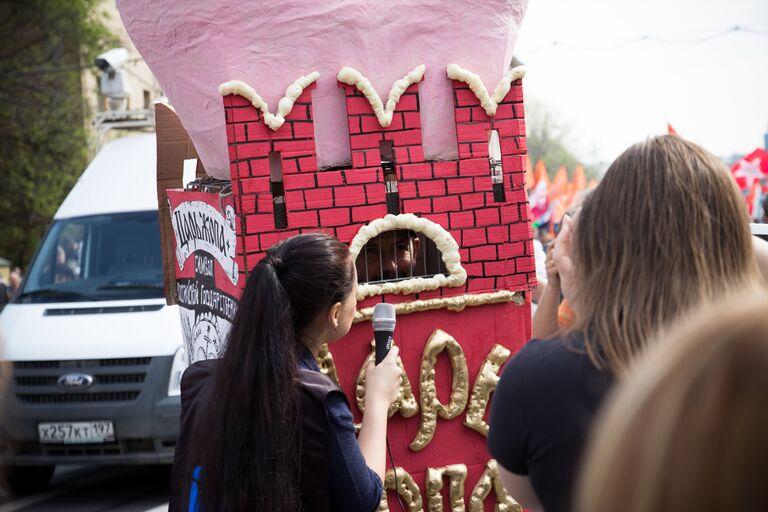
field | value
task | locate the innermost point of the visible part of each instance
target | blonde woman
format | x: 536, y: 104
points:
x: 688, y: 431
x: 666, y: 229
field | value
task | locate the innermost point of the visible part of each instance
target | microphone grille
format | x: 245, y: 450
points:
x: 384, y: 317
x: 384, y: 310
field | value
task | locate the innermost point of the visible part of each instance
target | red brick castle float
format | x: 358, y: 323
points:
x: 439, y: 428
x: 399, y: 169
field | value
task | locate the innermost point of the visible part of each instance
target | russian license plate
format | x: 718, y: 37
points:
x: 81, y: 432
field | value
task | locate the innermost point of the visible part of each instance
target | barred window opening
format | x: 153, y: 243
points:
x: 495, y: 162
x: 278, y: 191
x: 397, y: 255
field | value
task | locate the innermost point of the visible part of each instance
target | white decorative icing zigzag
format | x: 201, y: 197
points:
x: 489, y: 103
x: 284, y: 106
x: 351, y: 76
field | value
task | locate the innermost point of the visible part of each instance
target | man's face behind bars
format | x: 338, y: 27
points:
x: 391, y: 255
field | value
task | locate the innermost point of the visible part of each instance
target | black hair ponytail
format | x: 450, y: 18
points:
x: 250, y: 457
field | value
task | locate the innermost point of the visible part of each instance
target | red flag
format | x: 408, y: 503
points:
x: 541, y: 173
x: 752, y: 168
x: 579, y: 179
x: 671, y: 130
x: 559, y: 184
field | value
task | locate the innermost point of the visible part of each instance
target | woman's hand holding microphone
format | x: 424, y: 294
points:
x: 382, y: 381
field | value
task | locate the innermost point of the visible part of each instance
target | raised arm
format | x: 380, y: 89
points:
x: 545, y: 319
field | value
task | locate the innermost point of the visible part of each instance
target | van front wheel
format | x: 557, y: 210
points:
x: 27, y: 479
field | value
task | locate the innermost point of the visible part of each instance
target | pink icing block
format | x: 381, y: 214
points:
x: 195, y: 45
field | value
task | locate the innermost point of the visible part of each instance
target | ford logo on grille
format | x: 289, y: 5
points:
x: 75, y: 381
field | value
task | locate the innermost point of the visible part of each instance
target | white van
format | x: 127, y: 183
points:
x: 96, y: 354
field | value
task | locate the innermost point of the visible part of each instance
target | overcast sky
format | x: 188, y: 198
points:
x: 714, y: 93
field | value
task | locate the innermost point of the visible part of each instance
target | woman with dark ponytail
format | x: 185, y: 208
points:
x: 262, y: 429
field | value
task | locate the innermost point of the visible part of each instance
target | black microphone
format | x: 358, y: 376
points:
x: 383, y: 328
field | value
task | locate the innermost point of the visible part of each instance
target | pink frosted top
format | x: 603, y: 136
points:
x: 193, y: 46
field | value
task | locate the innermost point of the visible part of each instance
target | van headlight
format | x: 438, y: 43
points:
x: 177, y: 369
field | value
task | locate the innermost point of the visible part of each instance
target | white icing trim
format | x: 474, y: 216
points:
x: 284, y: 106
x: 489, y: 103
x: 444, y: 241
x: 351, y: 76
x: 456, y: 304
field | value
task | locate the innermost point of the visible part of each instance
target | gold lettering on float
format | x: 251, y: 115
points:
x: 485, y: 384
x: 430, y: 405
x: 324, y: 360
x: 405, y: 403
x: 490, y: 480
x: 406, y: 487
x: 457, y: 476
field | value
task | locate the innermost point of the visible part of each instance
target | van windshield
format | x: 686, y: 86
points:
x: 100, y: 257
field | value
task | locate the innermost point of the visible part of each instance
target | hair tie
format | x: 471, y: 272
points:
x: 276, y: 262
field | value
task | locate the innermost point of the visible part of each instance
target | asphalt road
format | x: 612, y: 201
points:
x: 97, y: 489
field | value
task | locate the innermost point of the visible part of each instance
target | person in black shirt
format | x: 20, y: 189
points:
x: 541, y: 414
x: 665, y: 229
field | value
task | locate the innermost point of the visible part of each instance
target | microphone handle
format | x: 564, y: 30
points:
x: 383, y: 344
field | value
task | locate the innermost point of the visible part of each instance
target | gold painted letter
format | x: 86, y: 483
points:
x: 457, y: 475
x: 485, y: 384
x: 490, y: 480
x: 406, y: 487
x: 405, y: 403
x: 324, y: 360
x: 430, y: 405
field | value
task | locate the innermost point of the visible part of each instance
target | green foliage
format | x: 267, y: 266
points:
x: 551, y: 140
x: 44, y: 48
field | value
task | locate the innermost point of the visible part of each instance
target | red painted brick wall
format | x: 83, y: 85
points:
x: 495, y: 237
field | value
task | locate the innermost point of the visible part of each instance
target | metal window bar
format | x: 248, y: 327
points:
x: 410, y: 249
x: 430, y: 265
x: 437, y: 262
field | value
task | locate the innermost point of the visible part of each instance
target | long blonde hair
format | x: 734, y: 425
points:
x: 665, y: 229
x: 688, y: 429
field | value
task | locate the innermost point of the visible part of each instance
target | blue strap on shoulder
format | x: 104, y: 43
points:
x: 194, y: 506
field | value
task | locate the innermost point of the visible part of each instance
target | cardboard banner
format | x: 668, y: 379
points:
x: 207, y: 272
x: 198, y: 226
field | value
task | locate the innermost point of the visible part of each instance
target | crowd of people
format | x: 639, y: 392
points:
x: 687, y: 245
x: 666, y: 396
x: 643, y: 386
x: 641, y: 389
